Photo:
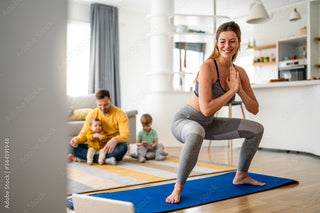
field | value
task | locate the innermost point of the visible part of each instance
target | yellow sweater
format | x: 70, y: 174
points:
x: 96, y: 143
x: 114, y: 124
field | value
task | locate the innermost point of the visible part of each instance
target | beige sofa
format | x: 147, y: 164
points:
x: 89, y: 102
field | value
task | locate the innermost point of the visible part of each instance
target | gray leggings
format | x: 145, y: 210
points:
x: 191, y: 127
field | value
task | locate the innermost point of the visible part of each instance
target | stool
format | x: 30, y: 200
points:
x: 233, y: 103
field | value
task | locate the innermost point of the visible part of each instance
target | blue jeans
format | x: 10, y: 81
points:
x: 81, y: 151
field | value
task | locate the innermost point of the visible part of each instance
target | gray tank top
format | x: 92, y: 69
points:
x: 216, y: 88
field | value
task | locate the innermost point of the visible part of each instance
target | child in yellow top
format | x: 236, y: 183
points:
x: 96, y: 141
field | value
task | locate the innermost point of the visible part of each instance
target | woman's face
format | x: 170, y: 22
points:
x: 228, y: 44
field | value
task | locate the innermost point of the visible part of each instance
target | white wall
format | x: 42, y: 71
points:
x: 32, y: 84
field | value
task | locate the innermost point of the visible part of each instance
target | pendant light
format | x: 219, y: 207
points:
x: 295, y: 15
x: 258, y: 13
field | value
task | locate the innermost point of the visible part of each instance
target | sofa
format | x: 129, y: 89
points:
x: 79, y: 106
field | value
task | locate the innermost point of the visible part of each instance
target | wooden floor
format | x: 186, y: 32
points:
x: 303, y: 197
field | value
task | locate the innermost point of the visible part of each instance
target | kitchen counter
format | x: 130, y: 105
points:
x: 289, y: 112
x: 286, y: 84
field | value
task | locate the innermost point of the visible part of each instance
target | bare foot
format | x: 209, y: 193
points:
x: 175, y: 195
x: 242, y: 178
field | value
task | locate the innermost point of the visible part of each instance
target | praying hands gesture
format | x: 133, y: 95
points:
x: 233, y: 81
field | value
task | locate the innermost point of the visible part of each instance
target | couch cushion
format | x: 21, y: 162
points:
x: 80, y: 114
x: 74, y: 128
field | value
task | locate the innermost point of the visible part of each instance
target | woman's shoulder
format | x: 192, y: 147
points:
x: 240, y: 69
x: 208, y: 64
x: 207, y: 70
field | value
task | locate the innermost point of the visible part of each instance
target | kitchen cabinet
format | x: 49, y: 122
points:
x: 196, y: 28
x: 292, y: 49
x: 313, y: 30
x: 292, y: 59
x: 290, y: 115
x: 264, y: 47
x: 192, y: 28
x: 317, y: 39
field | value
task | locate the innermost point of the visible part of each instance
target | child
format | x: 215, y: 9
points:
x: 96, y: 141
x: 147, y: 142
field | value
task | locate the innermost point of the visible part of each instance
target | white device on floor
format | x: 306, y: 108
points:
x: 90, y: 204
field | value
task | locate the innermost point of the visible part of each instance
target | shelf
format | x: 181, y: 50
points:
x: 269, y: 46
x: 290, y: 60
x: 264, y: 63
x: 317, y: 38
x: 317, y: 65
x: 194, y: 34
x: 191, y: 37
x: 211, y: 17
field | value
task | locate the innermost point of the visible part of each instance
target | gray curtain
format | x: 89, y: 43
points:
x: 104, y: 53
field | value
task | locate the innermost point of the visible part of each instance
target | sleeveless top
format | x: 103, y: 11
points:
x: 216, y: 88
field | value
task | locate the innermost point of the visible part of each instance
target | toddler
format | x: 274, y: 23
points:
x: 96, y: 141
x: 147, y: 142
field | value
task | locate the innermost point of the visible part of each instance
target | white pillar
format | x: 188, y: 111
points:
x: 161, y: 45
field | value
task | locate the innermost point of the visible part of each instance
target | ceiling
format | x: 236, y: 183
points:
x: 232, y: 8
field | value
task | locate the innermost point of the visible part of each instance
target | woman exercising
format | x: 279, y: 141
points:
x: 216, y: 84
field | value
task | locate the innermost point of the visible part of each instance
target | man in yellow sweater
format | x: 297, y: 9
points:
x: 115, y: 124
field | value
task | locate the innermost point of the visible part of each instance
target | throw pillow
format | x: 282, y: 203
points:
x: 80, y: 114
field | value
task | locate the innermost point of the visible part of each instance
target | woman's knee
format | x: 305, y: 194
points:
x: 258, y: 128
x: 194, y: 128
x: 261, y: 130
x: 251, y: 126
x: 183, y: 128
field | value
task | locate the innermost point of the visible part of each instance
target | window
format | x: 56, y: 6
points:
x: 187, y: 60
x: 78, y: 56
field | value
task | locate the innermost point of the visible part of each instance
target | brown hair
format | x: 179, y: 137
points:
x: 102, y: 93
x: 228, y: 26
x: 93, y: 119
x: 146, y: 119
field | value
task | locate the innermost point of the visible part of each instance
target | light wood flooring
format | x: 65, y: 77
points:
x: 303, y: 197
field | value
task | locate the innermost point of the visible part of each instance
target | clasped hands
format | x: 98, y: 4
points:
x: 233, y: 81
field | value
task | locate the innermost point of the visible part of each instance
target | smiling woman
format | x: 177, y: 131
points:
x: 78, y: 56
x: 218, y: 80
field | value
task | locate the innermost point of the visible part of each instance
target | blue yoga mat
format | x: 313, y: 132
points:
x: 195, y: 192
